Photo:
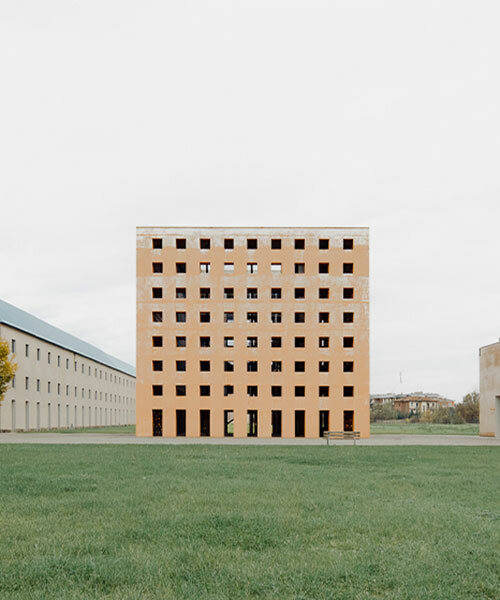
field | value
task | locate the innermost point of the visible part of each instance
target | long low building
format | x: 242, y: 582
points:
x: 61, y: 381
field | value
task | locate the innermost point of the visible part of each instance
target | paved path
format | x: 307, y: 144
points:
x: 127, y: 438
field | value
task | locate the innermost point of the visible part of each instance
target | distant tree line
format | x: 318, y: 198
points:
x: 466, y: 411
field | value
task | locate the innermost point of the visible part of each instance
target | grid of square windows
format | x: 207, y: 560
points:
x: 253, y: 243
x: 334, y: 314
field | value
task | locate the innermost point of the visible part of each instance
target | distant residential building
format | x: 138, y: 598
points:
x: 61, y: 381
x: 489, y: 392
x: 416, y: 402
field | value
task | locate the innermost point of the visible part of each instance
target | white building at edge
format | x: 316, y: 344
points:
x: 61, y: 381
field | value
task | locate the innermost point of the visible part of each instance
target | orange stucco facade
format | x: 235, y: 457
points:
x: 252, y: 331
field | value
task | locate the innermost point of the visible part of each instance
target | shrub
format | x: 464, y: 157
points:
x: 382, y: 412
x: 468, y: 409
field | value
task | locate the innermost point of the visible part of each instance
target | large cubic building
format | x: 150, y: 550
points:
x: 61, y: 381
x: 258, y: 332
x: 489, y: 390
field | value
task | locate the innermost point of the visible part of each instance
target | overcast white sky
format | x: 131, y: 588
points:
x: 115, y: 114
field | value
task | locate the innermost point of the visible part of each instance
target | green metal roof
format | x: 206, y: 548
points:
x: 19, y: 319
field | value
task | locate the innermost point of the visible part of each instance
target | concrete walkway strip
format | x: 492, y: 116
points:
x: 122, y: 438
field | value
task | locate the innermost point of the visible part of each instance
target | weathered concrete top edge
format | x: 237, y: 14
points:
x: 231, y: 227
x: 489, y: 345
x: 23, y: 321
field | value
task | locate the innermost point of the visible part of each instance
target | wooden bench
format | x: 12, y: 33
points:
x: 341, y: 435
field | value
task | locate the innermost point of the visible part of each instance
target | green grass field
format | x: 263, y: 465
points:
x: 99, y: 430
x: 402, y: 427
x: 381, y: 427
x: 221, y: 522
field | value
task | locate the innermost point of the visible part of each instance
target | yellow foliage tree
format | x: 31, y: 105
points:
x: 7, y: 368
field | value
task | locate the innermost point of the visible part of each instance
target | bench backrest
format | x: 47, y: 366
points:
x: 341, y: 435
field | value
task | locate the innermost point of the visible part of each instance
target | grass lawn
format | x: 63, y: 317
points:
x: 401, y: 426
x: 106, y: 429
x: 225, y: 522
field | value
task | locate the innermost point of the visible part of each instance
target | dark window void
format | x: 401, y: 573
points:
x: 180, y: 422
x: 275, y: 342
x: 323, y: 317
x: 205, y: 244
x: 348, y: 420
x: 157, y: 390
x: 323, y: 267
x: 180, y: 317
x: 252, y: 342
x: 204, y: 342
x: 276, y: 390
x: 348, y: 366
x: 157, y: 267
x: 180, y: 365
x: 348, y: 244
x: 323, y: 342
x: 228, y: 390
x: 300, y: 342
x: 348, y: 293
x: 180, y: 244
x: 323, y: 244
x: 180, y: 293
x: 300, y: 366
x: 204, y: 423
x: 275, y: 293
x: 252, y: 244
x: 228, y: 293
x: 252, y: 293
x: 300, y: 268
x: 180, y: 267
x: 300, y: 391
x: 324, y: 366
x: 300, y: 293
x: 157, y: 243
x: 348, y: 391
x: 276, y: 366
x: 252, y: 423
x: 323, y: 293
x: 348, y: 268
x: 276, y: 244
x: 204, y: 317
x: 348, y: 342
x: 323, y: 391
x: 157, y: 365
x: 228, y: 423
x: 229, y: 365
x: 348, y: 317
x: 300, y: 423
x: 228, y: 244
x: 300, y: 244
x: 157, y: 316
x: 180, y: 390
x: 276, y: 423
x: 157, y: 422
x: 300, y: 317
x: 157, y: 341
x: 204, y: 390
x: 180, y: 341
x: 252, y: 366
x: 204, y: 365
x: 252, y: 391
x: 157, y: 292
x: 324, y: 422
x: 204, y: 293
